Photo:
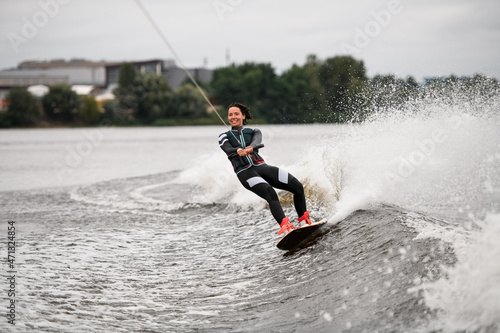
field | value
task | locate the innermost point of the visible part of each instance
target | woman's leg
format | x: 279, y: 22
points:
x: 254, y: 182
x: 280, y: 178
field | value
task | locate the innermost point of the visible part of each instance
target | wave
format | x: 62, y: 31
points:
x: 146, y: 193
x: 436, y: 157
x: 441, y: 160
x: 432, y: 167
x: 468, y: 293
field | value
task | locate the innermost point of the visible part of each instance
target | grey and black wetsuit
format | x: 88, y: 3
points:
x: 257, y: 176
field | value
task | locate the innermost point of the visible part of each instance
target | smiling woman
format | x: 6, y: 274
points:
x: 238, y: 114
x: 254, y: 174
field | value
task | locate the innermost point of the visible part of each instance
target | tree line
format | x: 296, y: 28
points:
x: 333, y: 90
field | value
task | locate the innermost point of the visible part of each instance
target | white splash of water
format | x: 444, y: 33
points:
x: 468, y: 296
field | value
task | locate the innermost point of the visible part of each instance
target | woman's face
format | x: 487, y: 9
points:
x: 235, y: 117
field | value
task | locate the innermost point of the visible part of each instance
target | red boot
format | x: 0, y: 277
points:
x: 286, y: 226
x: 304, y: 220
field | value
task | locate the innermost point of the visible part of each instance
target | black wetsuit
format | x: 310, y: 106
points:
x: 257, y: 176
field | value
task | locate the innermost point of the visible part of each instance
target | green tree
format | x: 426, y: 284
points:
x: 23, y: 109
x: 291, y: 94
x: 342, y: 79
x: 112, y: 111
x: 125, y: 93
x: 89, y: 112
x: 227, y: 85
x: 315, y: 96
x: 153, y: 97
x: 189, y: 103
x: 141, y: 97
x: 61, y: 103
x: 250, y: 83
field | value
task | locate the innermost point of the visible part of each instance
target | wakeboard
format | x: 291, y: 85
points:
x: 297, y: 236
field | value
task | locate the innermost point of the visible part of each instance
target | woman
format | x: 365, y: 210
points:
x: 254, y: 174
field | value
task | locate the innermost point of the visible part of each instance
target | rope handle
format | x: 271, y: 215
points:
x: 257, y: 147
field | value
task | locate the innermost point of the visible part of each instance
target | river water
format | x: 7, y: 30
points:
x: 148, y: 229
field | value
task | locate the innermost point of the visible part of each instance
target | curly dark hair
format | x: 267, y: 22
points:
x: 244, y: 110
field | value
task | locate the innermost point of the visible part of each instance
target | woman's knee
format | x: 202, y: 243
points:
x: 296, y: 186
x: 265, y: 191
x: 271, y: 194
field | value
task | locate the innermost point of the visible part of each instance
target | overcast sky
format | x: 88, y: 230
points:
x: 404, y: 37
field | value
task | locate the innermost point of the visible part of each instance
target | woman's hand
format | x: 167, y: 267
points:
x: 244, y: 152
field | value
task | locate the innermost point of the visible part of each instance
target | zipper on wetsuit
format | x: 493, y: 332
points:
x: 244, y: 144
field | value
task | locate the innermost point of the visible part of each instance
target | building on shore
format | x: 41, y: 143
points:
x: 100, y: 76
x: 174, y: 75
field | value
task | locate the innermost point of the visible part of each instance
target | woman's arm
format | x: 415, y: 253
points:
x: 225, y: 145
x: 257, y: 138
